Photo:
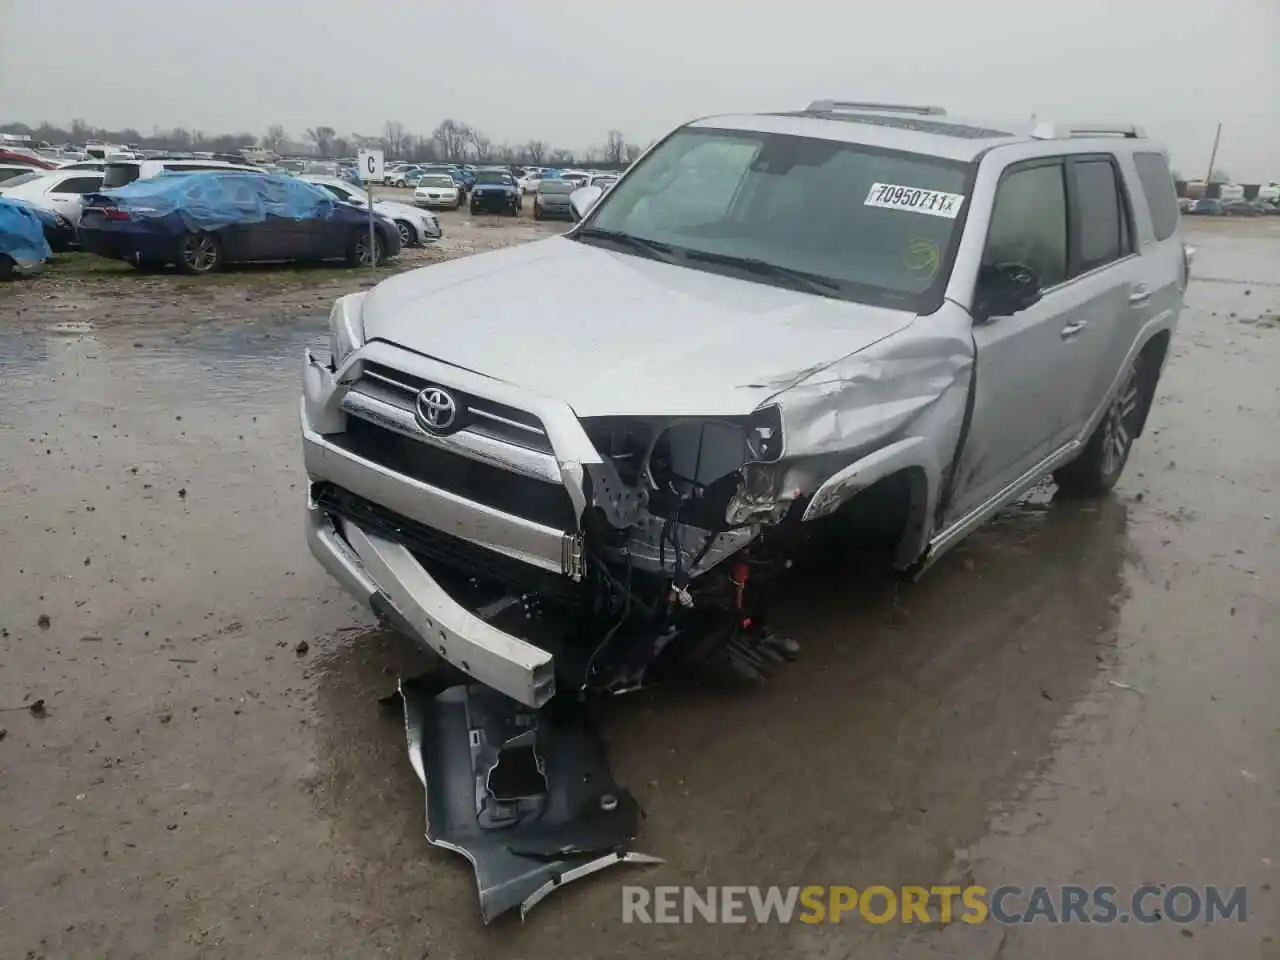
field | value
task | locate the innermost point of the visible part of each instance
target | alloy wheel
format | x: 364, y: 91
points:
x: 1121, y: 421
x: 362, y: 250
x: 200, y: 254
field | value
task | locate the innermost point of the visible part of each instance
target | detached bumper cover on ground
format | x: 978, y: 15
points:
x: 526, y: 796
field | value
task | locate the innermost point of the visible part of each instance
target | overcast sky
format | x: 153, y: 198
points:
x: 566, y: 71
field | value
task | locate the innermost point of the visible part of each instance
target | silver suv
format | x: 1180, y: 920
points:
x: 582, y: 460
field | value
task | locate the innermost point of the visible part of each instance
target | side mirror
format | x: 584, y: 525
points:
x: 1005, y: 289
x: 583, y: 199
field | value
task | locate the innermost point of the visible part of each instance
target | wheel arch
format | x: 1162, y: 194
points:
x: 1154, y: 352
x: 910, y: 466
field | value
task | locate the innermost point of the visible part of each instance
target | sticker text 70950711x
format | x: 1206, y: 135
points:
x: 895, y: 196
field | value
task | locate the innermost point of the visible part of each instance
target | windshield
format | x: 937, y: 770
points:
x: 876, y: 226
x: 493, y: 176
x: 344, y: 193
x: 435, y: 180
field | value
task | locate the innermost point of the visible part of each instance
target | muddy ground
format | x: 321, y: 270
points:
x: 1081, y: 694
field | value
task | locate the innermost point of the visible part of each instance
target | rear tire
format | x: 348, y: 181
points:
x: 6, y: 266
x: 1099, y: 466
x: 199, y: 254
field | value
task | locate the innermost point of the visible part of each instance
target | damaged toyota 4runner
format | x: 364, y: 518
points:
x: 570, y: 464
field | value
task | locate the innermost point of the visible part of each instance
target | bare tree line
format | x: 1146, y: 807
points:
x: 179, y: 138
x: 451, y: 140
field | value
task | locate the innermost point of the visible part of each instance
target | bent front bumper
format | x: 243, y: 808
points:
x: 371, y: 566
x: 372, y: 553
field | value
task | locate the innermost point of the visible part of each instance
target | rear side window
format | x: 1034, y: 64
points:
x: 79, y: 185
x: 118, y: 174
x: 1029, y: 222
x: 1157, y: 187
x: 1100, y: 212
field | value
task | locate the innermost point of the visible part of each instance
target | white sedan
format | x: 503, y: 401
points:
x: 417, y: 227
x: 437, y: 190
x: 61, y: 191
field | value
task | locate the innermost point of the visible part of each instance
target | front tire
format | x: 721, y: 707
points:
x: 199, y: 254
x: 1098, y: 468
x: 408, y: 237
x: 358, y: 254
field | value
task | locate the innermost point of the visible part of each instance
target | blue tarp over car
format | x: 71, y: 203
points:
x: 208, y: 201
x: 22, y: 234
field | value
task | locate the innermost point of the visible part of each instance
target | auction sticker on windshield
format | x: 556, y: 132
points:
x: 895, y: 196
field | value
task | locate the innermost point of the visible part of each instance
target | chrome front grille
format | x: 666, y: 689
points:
x: 485, y: 417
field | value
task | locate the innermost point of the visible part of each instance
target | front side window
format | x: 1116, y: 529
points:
x: 1029, y: 222
x: 1099, y: 207
x: 856, y: 222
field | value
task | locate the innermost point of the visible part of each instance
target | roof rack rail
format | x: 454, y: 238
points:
x: 1062, y: 131
x: 834, y: 106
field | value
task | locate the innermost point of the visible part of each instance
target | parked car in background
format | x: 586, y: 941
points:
x: 23, y: 246
x: 1207, y: 206
x: 62, y: 191
x: 10, y: 170
x: 495, y: 192
x: 552, y: 199
x: 579, y: 177
x: 59, y: 232
x: 465, y: 175
x: 437, y: 190
x: 603, y: 180
x: 26, y: 160
x: 201, y: 221
x: 406, y: 176
x: 118, y: 173
x: 529, y: 182
x: 99, y: 165
x: 1244, y: 208
x: 416, y: 227
x: 1185, y: 204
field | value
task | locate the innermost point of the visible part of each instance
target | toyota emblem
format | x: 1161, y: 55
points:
x: 437, y: 410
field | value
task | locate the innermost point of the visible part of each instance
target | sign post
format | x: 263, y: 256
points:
x: 369, y: 163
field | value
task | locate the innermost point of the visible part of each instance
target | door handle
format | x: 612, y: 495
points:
x: 1071, y: 329
x: 1140, y: 296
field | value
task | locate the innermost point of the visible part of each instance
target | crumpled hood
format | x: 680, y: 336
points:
x: 615, y: 334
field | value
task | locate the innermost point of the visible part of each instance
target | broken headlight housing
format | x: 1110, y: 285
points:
x: 346, y: 329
